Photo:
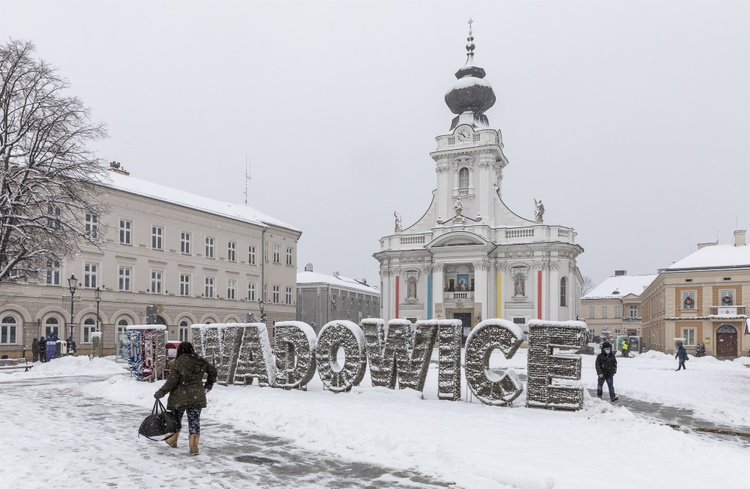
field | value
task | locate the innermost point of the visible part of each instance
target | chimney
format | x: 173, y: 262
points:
x: 309, y: 267
x: 739, y: 237
x: 708, y: 243
x: 620, y: 273
x: 335, y: 274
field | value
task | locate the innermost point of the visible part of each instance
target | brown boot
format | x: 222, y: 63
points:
x: 193, y: 441
x: 172, y: 440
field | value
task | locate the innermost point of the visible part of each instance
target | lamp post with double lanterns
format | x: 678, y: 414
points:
x: 98, y: 296
x: 72, y: 284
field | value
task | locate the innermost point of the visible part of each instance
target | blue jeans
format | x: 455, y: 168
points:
x: 610, y: 385
x: 194, y: 419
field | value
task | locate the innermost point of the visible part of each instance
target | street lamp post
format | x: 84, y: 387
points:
x: 72, y: 283
x: 98, y: 295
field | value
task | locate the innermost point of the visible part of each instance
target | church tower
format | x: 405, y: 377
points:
x: 469, y: 256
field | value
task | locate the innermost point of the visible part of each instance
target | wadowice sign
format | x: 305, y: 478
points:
x: 398, y: 353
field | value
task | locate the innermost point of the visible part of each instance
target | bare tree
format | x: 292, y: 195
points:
x: 587, y: 285
x: 47, y: 173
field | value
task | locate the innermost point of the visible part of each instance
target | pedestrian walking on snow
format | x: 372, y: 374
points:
x: 681, y: 355
x: 625, y: 347
x: 606, y: 368
x: 187, y: 392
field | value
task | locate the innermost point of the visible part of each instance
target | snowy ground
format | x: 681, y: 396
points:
x: 73, y: 423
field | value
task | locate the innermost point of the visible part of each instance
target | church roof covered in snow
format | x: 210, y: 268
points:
x: 308, y: 277
x: 620, y: 286
x: 715, y: 256
x: 126, y: 183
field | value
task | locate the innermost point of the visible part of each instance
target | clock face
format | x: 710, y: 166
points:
x: 463, y: 135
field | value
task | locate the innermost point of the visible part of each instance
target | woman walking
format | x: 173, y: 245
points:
x: 187, y: 392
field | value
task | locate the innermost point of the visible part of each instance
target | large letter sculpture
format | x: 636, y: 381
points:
x: 397, y: 356
x: 148, y: 354
x: 349, y: 337
x: 449, y: 359
x: 255, y: 358
x: 294, y: 348
x: 490, y: 387
x: 552, y: 347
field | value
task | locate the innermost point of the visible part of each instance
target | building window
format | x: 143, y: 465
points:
x: 156, y: 281
x: 157, y: 238
x: 122, y: 332
x: 251, y: 255
x: 8, y: 330
x: 463, y: 178
x: 277, y: 253
x: 53, y: 221
x: 289, y: 256
x: 618, y: 312
x: 605, y: 313
x: 688, y: 334
x: 231, y: 288
x: 688, y: 299
x: 209, y: 288
x: 126, y: 228
x: 288, y: 295
x: 564, y: 291
x: 92, y: 226
x: 209, y: 247
x: 90, y: 273
x: 184, y: 284
x: 726, y: 297
x: 53, y: 272
x: 124, y: 278
x: 591, y: 312
x: 183, y: 331
x: 232, y: 251
x: 251, y: 291
x: 185, y: 243
x: 276, y: 291
x: 89, y: 326
x: 52, y: 325
x: 633, y: 312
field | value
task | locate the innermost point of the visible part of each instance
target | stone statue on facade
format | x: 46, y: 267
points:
x: 538, y: 211
x: 398, y: 221
x: 458, y: 206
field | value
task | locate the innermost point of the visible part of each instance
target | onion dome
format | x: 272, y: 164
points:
x: 472, y: 95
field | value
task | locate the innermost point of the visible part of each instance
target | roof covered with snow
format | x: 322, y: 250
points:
x: 152, y: 190
x: 715, y: 256
x: 335, y: 280
x: 620, y: 286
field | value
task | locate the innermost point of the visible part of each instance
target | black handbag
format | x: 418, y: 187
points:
x: 159, y: 423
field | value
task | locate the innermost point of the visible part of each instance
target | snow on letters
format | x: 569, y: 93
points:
x: 398, y: 352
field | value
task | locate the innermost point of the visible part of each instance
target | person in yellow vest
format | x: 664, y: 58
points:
x: 625, y: 347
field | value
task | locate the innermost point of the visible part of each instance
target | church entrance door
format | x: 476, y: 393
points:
x: 465, y: 318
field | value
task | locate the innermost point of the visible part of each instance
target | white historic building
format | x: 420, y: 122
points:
x: 469, y: 256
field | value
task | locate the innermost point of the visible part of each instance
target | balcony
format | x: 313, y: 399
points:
x: 727, y: 310
x: 463, y: 295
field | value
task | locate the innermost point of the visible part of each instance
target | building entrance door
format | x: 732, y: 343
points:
x: 465, y: 318
x: 726, y: 341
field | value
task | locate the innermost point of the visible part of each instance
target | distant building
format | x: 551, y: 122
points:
x: 613, y: 307
x: 193, y: 259
x: 470, y: 257
x: 322, y: 298
x: 701, y: 299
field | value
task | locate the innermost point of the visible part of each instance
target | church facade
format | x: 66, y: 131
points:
x: 470, y: 257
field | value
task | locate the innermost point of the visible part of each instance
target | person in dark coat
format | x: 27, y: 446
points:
x: 187, y: 392
x: 42, y: 349
x: 681, y: 355
x: 35, y: 350
x: 606, y: 368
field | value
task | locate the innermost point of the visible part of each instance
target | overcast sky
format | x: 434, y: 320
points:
x: 629, y: 119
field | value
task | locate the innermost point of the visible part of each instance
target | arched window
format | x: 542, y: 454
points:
x: 8, y: 330
x: 52, y: 324
x: 184, y: 330
x: 463, y: 178
x: 89, y: 326
x: 564, y: 291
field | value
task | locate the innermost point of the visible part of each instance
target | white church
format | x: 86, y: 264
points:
x: 470, y: 257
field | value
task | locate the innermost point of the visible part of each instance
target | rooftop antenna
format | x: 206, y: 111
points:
x: 247, y: 177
